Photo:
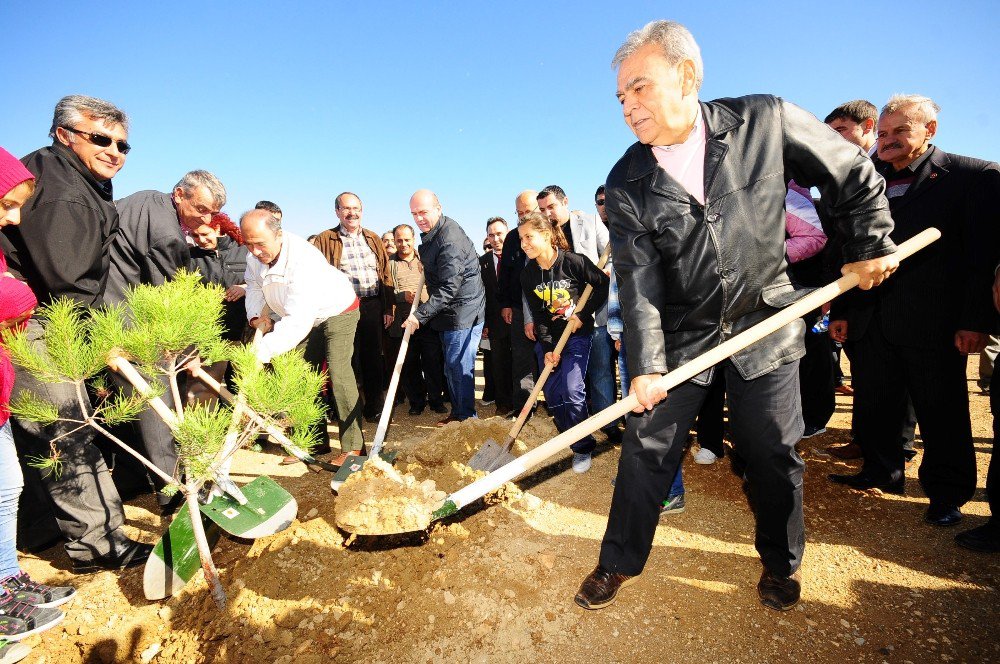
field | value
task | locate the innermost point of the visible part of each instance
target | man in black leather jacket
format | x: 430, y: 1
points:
x: 697, y: 222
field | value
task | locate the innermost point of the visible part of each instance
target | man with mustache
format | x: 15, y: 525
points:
x: 360, y: 254
x: 915, y: 336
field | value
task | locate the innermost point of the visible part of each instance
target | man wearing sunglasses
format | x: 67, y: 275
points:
x: 61, y: 249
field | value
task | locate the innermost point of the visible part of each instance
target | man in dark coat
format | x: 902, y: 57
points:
x: 456, y: 303
x: 698, y: 240
x: 497, y: 330
x: 61, y: 249
x: 914, y: 335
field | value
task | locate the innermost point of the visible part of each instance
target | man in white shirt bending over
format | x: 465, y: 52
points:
x: 314, y: 305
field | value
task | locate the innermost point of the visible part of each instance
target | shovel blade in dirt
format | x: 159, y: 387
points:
x: 491, y: 456
x: 269, y: 509
x: 353, y: 464
x: 175, y: 558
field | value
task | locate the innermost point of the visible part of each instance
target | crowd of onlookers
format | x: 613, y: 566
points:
x: 348, y: 296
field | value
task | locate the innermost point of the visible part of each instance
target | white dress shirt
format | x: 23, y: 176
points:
x: 301, y: 288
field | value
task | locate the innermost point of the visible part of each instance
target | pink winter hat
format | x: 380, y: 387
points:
x: 12, y: 172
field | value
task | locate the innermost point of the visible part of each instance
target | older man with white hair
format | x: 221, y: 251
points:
x: 697, y: 221
x: 915, y: 336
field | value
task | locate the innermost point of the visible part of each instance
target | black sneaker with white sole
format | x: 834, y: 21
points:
x: 19, y: 620
x: 24, y: 589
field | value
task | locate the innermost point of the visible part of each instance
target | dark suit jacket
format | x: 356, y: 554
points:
x: 496, y: 325
x: 946, y: 286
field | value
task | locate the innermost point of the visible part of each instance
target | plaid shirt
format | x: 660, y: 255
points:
x: 358, y: 262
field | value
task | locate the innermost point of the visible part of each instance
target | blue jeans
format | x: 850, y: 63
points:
x: 677, y: 486
x: 600, y: 376
x: 565, y: 392
x: 459, y: 348
x: 11, y: 483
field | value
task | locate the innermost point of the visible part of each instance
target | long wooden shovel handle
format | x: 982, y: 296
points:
x: 390, y: 397
x: 668, y: 381
x: 547, y: 371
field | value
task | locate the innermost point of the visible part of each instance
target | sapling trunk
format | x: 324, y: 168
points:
x: 204, y: 550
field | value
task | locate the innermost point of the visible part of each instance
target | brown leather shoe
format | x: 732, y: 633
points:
x: 340, y: 459
x: 779, y: 593
x: 447, y: 420
x: 844, y: 389
x: 848, y: 451
x: 600, y: 588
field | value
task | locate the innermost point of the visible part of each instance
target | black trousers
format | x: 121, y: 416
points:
x: 817, y: 378
x: 523, y: 365
x: 422, y: 375
x: 503, y: 376
x: 766, y: 423
x: 710, y: 426
x: 368, y: 360
x: 83, y: 498
x: 489, y: 383
x: 993, y: 474
x: 935, y: 380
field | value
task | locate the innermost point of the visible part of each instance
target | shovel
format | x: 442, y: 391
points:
x: 355, y: 462
x: 491, y: 456
x: 816, y: 298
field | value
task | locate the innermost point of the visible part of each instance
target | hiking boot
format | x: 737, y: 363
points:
x: 25, y: 590
x: 673, y: 505
x: 600, y: 588
x: 19, y: 620
x: 779, y: 593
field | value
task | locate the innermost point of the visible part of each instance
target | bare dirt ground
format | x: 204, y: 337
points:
x: 495, y: 583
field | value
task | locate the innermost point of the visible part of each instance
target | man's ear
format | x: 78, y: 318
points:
x: 868, y: 126
x: 63, y: 136
x: 688, y: 78
x: 931, y: 129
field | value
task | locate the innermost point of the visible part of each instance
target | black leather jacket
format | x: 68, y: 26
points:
x: 691, y: 276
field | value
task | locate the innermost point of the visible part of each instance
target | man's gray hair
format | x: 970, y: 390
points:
x: 195, y: 179
x: 927, y: 110
x: 676, y: 42
x: 73, y: 109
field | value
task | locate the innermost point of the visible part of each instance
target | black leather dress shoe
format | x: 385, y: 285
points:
x: 439, y: 408
x: 779, y: 593
x: 863, y: 482
x: 985, y: 538
x: 940, y: 514
x: 416, y: 410
x: 600, y: 588
x: 121, y: 556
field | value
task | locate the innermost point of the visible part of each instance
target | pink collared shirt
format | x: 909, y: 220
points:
x: 685, y: 162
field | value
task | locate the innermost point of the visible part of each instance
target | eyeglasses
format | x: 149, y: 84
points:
x: 600, y: 201
x: 100, y: 140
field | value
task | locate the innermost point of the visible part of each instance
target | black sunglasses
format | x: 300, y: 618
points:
x: 100, y: 140
x: 600, y: 201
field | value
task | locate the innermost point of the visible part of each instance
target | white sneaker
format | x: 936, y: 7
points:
x: 705, y: 456
x: 581, y: 463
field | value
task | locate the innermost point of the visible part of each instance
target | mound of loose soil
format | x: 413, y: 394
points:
x: 379, y: 500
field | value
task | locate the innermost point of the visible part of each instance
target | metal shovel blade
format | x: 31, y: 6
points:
x: 491, y: 456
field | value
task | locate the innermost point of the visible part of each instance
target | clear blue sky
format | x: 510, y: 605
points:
x: 297, y: 101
